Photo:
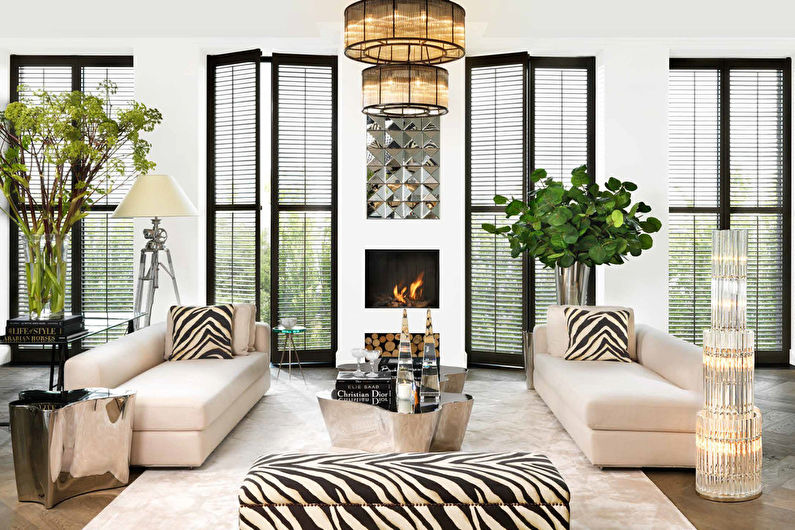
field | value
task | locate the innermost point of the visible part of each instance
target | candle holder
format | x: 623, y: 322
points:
x: 729, y: 427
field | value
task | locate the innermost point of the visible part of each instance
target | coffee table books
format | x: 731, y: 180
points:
x: 25, y: 331
x: 377, y: 390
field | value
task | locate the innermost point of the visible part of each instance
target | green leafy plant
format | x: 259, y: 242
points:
x: 59, y: 154
x: 581, y: 224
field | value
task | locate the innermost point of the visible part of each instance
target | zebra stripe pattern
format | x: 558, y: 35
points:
x: 597, y: 335
x: 201, y: 332
x: 404, y: 490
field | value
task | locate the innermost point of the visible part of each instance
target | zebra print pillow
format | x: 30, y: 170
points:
x: 597, y: 335
x: 201, y: 332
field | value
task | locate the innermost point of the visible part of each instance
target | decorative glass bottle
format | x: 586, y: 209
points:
x: 729, y: 428
x: 404, y: 382
x: 429, y: 384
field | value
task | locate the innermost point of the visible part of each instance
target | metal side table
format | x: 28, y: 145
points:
x: 72, y: 442
x: 289, y: 349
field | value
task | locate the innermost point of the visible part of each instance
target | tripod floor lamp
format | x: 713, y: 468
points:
x: 154, y: 196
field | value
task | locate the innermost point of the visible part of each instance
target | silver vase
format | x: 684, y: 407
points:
x: 529, y: 362
x: 571, y: 284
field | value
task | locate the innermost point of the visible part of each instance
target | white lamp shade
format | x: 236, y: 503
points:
x: 155, y: 196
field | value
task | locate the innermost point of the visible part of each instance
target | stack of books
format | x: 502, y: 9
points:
x: 390, y: 363
x: 378, y: 391
x: 26, y: 331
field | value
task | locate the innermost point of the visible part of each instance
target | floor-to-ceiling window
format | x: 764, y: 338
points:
x: 272, y: 190
x: 103, y: 247
x: 523, y: 113
x: 729, y: 167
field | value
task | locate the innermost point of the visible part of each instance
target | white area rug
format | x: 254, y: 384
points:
x: 506, y: 417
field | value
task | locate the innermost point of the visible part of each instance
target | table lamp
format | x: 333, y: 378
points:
x: 154, y: 196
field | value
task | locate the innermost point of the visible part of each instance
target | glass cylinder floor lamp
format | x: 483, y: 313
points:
x: 154, y: 196
x: 729, y: 428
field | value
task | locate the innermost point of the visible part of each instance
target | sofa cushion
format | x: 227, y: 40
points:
x: 558, y: 336
x: 619, y: 396
x: 243, y: 328
x: 200, y: 332
x: 597, y: 334
x: 190, y: 395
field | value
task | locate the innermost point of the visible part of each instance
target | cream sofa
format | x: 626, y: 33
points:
x: 183, y: 409
x: 638, y: 414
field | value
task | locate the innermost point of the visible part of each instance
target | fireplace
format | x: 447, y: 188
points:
x: 401, y: 278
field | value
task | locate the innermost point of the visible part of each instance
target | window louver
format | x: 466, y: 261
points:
x: 103, y: 283
x: 303, y: 199
x: 561, y: 140
x: 729, y: 159
x: 233, y: 178
x: 108, y: 245
x: 500, y: 152
x: 496, y: 164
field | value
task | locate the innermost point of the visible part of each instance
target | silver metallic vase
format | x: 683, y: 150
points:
x: 571, y: 284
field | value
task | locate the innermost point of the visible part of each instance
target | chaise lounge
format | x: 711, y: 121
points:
x: 638, y: 414
x: 183, y: 409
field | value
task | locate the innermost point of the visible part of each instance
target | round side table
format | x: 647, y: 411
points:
x: 290, y: 349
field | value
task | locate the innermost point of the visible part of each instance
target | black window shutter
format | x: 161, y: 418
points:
x: 496, y: 163
x: 304, y: 199
x: 233, y: 177
x: 729, y: 167
x: 562, y: 137
x: 522, y: 113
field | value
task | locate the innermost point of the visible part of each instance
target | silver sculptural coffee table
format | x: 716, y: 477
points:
x: 374, y: 429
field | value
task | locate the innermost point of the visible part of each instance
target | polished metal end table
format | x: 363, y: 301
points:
x: 71, y: 442
x: 290, y: 349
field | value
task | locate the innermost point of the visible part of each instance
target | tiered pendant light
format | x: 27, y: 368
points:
x: 404, y: 31
x: 404, y: 38
x: 404, y: 91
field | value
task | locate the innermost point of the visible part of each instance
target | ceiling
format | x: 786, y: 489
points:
x: 487, y: 19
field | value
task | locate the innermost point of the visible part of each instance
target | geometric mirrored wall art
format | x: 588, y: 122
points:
x: 402, y: 168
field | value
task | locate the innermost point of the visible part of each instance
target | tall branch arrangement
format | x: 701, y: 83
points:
x: 60, y: 154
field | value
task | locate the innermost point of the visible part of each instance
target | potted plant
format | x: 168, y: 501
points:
x: 572, y: 229
x: 59, y: 154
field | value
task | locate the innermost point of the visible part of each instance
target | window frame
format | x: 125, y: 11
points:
x: 311, y: 356
x: 77, y: 63
x: 724, y: 208
x: 530, y: 64
x: 326, y: 357
x: 214, y: 61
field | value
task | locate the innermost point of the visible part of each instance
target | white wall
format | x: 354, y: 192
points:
x: 632, y: 42
x: 633, y: 94
x: 177, y: 89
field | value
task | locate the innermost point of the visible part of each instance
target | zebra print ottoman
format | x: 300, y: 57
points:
x: 404, y: 490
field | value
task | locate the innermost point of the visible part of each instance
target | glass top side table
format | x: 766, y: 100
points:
x: 93, y: 324
x: 289, y: 349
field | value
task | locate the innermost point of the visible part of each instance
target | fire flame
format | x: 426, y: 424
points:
x: 414, y: 290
